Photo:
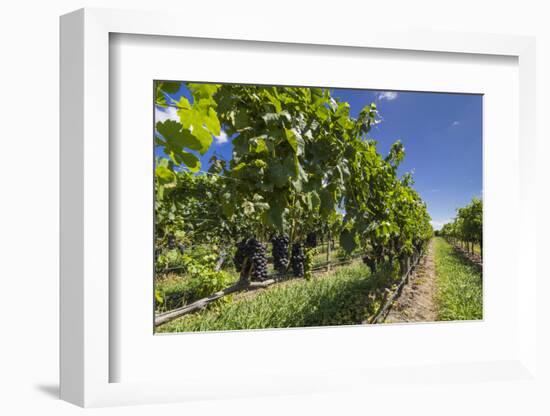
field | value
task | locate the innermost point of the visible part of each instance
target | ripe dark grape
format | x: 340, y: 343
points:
x: 257, y: 254
x: 297, y: 259
x: 240, y: 255
x: 279, y: 252
x: 171, y: 241
x: 311, y: 240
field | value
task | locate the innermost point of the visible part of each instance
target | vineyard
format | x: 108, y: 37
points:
x: 466, y: 231
x: 305, y: 224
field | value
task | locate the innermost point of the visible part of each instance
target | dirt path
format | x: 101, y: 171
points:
x: 416, y: 303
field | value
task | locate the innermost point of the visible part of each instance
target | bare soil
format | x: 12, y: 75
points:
x: 416, y: 303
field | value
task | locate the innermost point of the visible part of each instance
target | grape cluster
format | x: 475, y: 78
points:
x: 171, y: 241
x: 297, y: 259
x: 311, y: 240
x: 279, y: 251
x: 255, y: 251
x: 257, y: 254
x: 240, y: 255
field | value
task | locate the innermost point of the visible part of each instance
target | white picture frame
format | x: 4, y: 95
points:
x: 86, y: 356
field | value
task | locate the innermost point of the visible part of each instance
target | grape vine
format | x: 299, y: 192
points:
x: 467, y: 228
x: 300, y: 162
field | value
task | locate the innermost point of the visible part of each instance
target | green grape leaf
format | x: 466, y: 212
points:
x: 177, y: 137
x: 201, y: 91
x: 170, y: 87
x: 295, y: 140
x: 165, y: 174
x: 275, y: 213
x: 277, y: 174
x: 188, y: 159
x: 347, y: 240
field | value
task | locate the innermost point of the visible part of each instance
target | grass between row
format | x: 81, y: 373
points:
x: 338, y: 298
x: 178, y: 289
x: 459, y: 285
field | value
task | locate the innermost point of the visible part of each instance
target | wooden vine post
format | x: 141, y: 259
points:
x: 328, y: 252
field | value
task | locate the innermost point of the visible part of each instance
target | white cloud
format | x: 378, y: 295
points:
x: 437, y: 225
x: 163, y: 114
x: 222, y: 138
x: 455, y: 123
x: 387, y: 95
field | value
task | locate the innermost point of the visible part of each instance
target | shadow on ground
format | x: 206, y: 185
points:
x: 51, y: 390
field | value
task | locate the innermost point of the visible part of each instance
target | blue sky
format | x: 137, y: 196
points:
x: 442, y: 135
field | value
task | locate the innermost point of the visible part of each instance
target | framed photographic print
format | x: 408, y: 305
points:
x: 291, y: 207
x: 274, y: 208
